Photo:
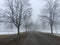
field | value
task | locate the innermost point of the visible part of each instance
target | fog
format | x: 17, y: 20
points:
x: 37, y: 5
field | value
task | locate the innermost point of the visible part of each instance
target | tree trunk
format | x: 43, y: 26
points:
x: 26, y: 29
x: 51, y: 29
x: 18, y: 31
x: 18, y: 37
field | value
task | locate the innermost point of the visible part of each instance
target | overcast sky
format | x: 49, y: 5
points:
x: 36, y: 5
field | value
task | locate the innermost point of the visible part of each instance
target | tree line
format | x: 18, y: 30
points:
x: 19, y: 12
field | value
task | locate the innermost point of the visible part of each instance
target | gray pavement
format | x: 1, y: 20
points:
x: 37, y: 38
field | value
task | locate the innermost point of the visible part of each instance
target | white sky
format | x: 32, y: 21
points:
x: 36, y: 5
x: 1, y: 3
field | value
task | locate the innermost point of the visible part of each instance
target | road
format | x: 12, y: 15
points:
x: 37, y: 38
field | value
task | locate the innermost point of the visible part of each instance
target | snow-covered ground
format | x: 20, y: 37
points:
x: 57, y: 35
x: 11, y: 32
x: 4, y: 31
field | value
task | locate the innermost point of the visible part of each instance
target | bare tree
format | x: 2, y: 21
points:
x: 27, y: 19
x: 50, y: 13
x: 16, y: 11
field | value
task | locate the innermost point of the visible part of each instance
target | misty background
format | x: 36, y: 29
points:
x: 37, y: 6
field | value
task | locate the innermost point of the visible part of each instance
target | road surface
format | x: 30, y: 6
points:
x: 37, y: 38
